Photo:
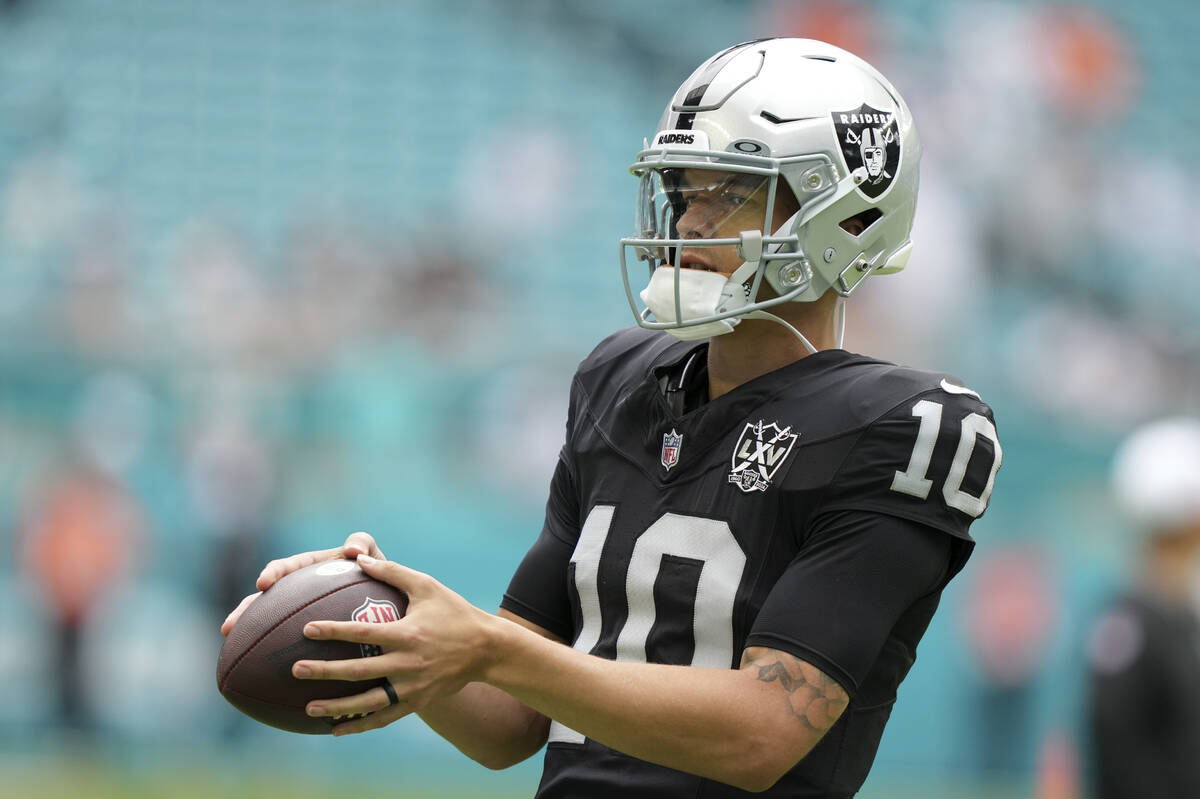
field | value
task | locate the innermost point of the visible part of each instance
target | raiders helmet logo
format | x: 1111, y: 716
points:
x: 870, y: 141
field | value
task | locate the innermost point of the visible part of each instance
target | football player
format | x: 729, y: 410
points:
x: 749, y: 528
x: 1143, y: 698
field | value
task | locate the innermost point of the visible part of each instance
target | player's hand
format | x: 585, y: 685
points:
x: 359, y: 543
x: 436, y: 649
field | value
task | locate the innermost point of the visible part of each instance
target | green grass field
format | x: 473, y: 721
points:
x: 58, y: 780
x: 98, y: 783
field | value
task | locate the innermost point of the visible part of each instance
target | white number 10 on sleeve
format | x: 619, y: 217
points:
x: 915, y: 481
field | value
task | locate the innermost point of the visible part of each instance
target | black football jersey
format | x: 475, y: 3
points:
x: 1144, y: 699
x: 818, y: 509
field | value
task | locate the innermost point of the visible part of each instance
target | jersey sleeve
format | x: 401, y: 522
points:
x: 538, y: 591
x: 859, y: 577
x: 931, y: 459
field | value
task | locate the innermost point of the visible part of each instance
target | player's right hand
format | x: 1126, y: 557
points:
x: 359, y: 543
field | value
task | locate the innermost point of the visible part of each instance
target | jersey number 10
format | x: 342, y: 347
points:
x: 914, y: 480
x: 710, y: 543
x: 674, y: 537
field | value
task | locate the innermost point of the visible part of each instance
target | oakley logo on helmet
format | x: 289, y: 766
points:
x: 870, y: 142
x: 749, y: 146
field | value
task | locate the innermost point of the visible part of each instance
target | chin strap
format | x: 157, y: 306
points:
x: 839, y: 312
x: 803, y: 340
x: 736, y: 293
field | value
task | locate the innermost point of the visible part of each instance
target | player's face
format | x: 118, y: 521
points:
x: 722, y: 205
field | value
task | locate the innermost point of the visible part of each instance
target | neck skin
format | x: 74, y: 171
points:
x: 1169, y: 570
x: 758, y: 346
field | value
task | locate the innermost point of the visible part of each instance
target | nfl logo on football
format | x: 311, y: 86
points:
x: 672, y: 441
x: 374, y: 611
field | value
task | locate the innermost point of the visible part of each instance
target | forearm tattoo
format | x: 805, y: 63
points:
x: 813, y: 698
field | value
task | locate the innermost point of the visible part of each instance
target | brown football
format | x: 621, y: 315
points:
x: 254, y: 670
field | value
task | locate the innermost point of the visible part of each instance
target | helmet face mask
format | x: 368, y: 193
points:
x: 710, y: 204
x: 714, y: 196
x: 788, y: 118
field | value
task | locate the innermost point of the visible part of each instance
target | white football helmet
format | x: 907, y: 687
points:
x: 801, y: 116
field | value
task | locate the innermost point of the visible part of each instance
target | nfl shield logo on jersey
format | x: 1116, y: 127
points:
x: 672, y: 441
x: 759, y: 453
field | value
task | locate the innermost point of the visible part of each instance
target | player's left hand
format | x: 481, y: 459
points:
x: 437, y: 648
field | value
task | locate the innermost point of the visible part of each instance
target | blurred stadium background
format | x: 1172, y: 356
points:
x: 274, y: 271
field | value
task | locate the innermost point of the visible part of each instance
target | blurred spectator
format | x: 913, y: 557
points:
x: 232, y: 482
x: 1010, y: 615
x: 81, y: 527
x: 849, y: 25
x: 219, y: 304
x: 512, y: 181
x: 1144, y: 651
x: 1099, y: 374
x: 97, y: 307
x: 1093, y: 75
x: 336, y: 296
x: 78, y: 540
x: 41, y: 200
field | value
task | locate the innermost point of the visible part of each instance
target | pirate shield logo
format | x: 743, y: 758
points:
x: 761, y: 450
x: 870, y: 141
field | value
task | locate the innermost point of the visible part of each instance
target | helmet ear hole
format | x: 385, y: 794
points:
x: 857, y: 225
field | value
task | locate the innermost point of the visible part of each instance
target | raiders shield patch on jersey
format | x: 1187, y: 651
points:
x: 761, y: 450
x: 871, y: 147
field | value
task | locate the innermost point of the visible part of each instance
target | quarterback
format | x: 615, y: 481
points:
x: 749, y: 528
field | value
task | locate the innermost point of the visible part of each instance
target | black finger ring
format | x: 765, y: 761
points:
x: 391, y: 692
